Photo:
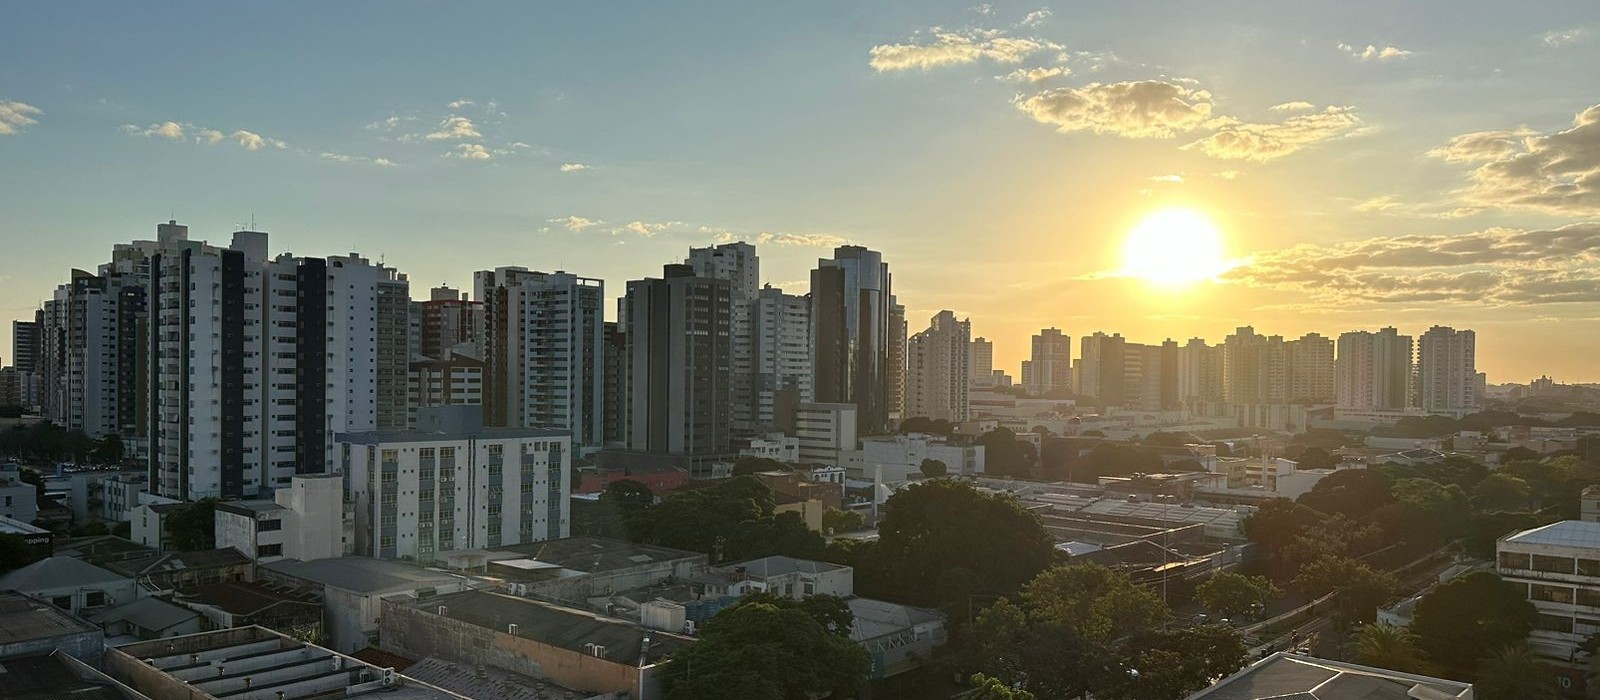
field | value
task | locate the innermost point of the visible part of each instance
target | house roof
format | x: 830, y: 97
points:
x: 249, y: 507
x: 1567, y: 533
x: 596, y: 554
x: 171, y: 562
x: 148, y: 613
x: 780, y: 565
x: 241, y: 598
x: 1285, y: 676
x: 57, y: 572
x: 362, y: 575
x: 877, y: 618
x: 56, y: 675
x: 23, y: 619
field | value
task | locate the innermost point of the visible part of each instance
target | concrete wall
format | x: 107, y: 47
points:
x: 87, y: 645
x: 416, y: 633
x: 581, y: 588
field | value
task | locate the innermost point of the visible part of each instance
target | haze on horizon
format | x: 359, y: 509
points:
x: 1364, y: 165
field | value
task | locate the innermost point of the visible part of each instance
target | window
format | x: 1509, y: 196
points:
x: 1589, y: 567
x: 1513, y: 560
x: 1553, y: 594
x: 1553, y: 623
x: 269, y: 525
x: 270, y: 550
x: 1553, y: 565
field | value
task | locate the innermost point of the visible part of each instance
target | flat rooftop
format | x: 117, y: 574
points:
x: 595, y: 554
x: 24, y: 619
x: 1289, y: 676
x: 363, y: 575
x: 56, y: 675
x: 1567, y: 533
x: 557, y: 626
x: 254, y: 663
x: 382, y: 437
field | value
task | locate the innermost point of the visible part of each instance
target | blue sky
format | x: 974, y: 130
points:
x: 1424, y: 180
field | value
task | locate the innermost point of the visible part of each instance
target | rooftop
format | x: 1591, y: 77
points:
x: 1567, y: 533
x: 878, y: 618
x: 24, y: 619
x: 595, y: 554
x: 380, y: 437
x: 56, y: 675
x: 778, y: 565
x: 483, y: 681
x: 1290, y: 677
x: 557, y: 626
x: 362, y: 574
x: 242, y: 598
x: 249, y: 507
x: 151, y: 614
x: 57, y: 572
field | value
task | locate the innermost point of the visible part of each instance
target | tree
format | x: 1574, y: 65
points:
x: 933, y: 468
x: 836, y: 521
x: 941, y: 524
x: 986, y: 688
x: 32, y: 476
x: 780, y: 533
x: 732, y: 520
x: 1350, y: 492
x: 926, y: 426
x: 1513, y: 672
x: 1232, y: 595
x: 1003, y: 455
x: 1501, y: 492
x: 1316, y: 458
x: 1365, y: 588
x: 765, y: 650
x: 1093, y: 602
x: 194, y: 527
x: 1171, y: 664
x: 1275, y: 526
x: 1457, y: 623
x: 1394, y: 648
x: 14, y: 552
x: 108, y: 450
x: 623, y: 505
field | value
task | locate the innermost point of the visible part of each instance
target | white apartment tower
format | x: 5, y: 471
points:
x: 1447, y: 373
x: 545, y: 351
x: 1199, y: 372
x: 1311, y: 369
x: 1373, y: 370
x: 782, y: 333
x: 938, y: 369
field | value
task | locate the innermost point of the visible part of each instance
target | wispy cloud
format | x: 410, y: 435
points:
x: 1035, y: 18
x: 1140, y: 109
x: 575, y: 223
x: 1264, y: 142
x: 1373, y: 52
x: 454, y: 128
x: 573, y: 167
x: 1173, y: 178
x: 814, y: 240
x: 1296, y: 106
x: 953, y: 48
x: 1036, y: 75
x: 1524, y: 169
x: 645, y: 228
x: 469, y: 151
x: 16, y: 117
x: 1494, y: 266
x: 1564, y: 37
x: 184, y: 131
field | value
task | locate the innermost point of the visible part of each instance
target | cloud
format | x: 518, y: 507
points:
x: 645, y: 228
x: 1036, y: 75
x: 251, y: 141
x: 1563, y: 37
x: 1174, y: 178
x: 952, y: 48
x: 347, y: 158
x: 454, y: 128
x: 458, y: 104
x: 388, y: 123
x: 17, y: 116
x: 1141, y: 109
x: 1494, y: 266
x: 469, y: 151
x: 1296, y: 106
x: 575, y: 223
x: 165, y: 130
x: 573, y: 167
x: 1035, y: 18
x: 1374, y: 53
x: 1229, y: 174
x: 1264, y: 142
x: 1525, y: 169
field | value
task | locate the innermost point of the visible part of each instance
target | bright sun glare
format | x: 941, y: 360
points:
x: 1174, y: 247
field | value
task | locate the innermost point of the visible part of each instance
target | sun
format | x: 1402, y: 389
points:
x: 1174, y: 247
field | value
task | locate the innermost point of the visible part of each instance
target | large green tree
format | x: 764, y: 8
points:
x: 1003, y: 455
x: 732, y: 520
x: 1169, y: 664
x: 1232, y: 594
x: 987, y: 688
x: 1274, y: 527
x: 1350, y: 492
x: 194, y: 527
x: 1458, y: 623
x: 766, y: 650
x: 1514, y: 672
x: 1387, y: 646
x: 936, y: 526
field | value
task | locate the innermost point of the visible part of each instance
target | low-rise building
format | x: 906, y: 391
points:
x: 900, y: 457
x: 573, y: 648
x: 776, y: 446
x: 55, y: 675
x: 783, y: 576
x: 574, y: 570
x: 149, y: 524
x: 1558, y: 568
x: 71, y: 584
x: 228, y: 604
x: 30, y: 626
x: 305, y: 521
x: 351, y: 589
x: 1286, y: 675
x: 148, y: 618
x: 19, y: 500
x: 255, y: 663
x: 825, y: 431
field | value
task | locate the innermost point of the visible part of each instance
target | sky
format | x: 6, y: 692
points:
x: 1367, y: 163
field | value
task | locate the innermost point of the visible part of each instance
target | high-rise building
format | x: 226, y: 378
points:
x: 104, y: 343
x: 938, y: 369
x: 1447, y: 373
x: 1311, y: 369
x: 1373, y: 370
x: 1255, y: 368
x: 982, y: 363
x: 453, y: 380
x: 544, y: 351
x: 257, y: 363
x: 782, y: 332
x: 1103, y: 369
x: 852, y: 334
x: 1052, y: 362
x: 615, y: 414
x: 738, y: 264
x: 1199, y: 373
x: 454, y: 484
x: 679, y: 369
x: 449, y: 321
x: 895, y: 375
x: 24, y: 345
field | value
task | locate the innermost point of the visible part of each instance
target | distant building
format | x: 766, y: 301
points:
x: 938, y: 371
x: 352, y: 588
x: 826, y: 431
x: 305, y: 522
x: 19, y: 500
x: 1051, y: 363
x: 1373, y: 370
x: 852, y: 333
x: 782, y: 335
x: 679, y: 369
x: 1447, y: 375
x: 982, y: 365
x: 738, y: 264
x: 900, y: 457
x: 776, y: 446
x: 454, y: 379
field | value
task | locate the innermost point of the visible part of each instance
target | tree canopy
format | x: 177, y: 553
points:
x: 1232, y: 594
x: 768, y: 648
x: 1460, y: 622
x: 933, y: 468
x: 1004, y: 455
x: 194, y: 526
x: 730, y: 521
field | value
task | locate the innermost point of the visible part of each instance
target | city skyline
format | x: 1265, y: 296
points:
x: 1430, y: 172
